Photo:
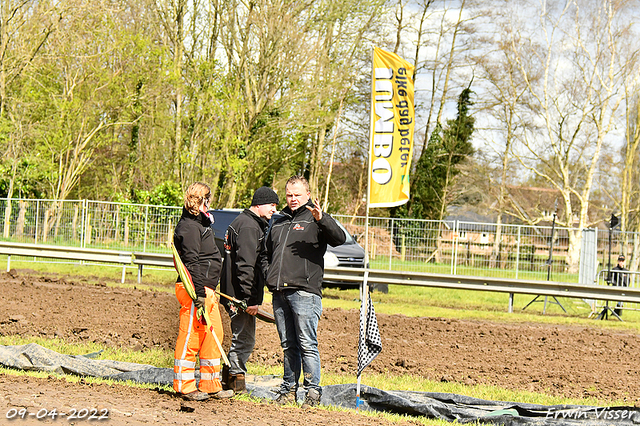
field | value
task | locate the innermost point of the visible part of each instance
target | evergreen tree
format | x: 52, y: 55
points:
x: 439, y: 163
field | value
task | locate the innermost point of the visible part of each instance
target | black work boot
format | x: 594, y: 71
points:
x: 237, y: 383
x: 224, y: 377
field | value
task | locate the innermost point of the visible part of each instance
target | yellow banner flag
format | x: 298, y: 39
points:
x: 392, y: 124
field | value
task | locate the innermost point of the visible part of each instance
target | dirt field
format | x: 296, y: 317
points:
x: 563, y: 361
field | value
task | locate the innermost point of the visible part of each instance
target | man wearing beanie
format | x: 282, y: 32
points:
x: 243, y: 278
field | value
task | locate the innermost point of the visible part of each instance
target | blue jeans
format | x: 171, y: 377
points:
x: 297, y: 313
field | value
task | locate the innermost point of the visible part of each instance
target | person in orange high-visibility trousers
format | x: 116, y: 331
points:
x: 194, y: 243
x: 193, y: 338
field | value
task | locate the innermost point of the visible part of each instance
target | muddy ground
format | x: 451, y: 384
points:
x: 557, y: 360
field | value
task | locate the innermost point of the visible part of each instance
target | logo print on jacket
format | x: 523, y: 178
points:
x: 298, y: 227
x: 227, y: 245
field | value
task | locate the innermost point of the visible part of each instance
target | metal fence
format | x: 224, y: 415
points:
x: 449, y: 247
x: 480, y: 249
x: 90, y: 224
x: 612, y: 277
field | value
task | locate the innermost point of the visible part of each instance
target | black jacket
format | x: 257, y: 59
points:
x: 242, y: 271
x: 295, y: 248
x: 194, y: 241
x: 618, y: 277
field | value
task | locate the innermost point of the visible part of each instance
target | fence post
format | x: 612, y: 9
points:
x: 518, y: 252
x: 37, y: 216
x: 117, y: 225
x: 146, y: 217
x: 391, y: 244
x: 454, y: 248
x: 83, y: 230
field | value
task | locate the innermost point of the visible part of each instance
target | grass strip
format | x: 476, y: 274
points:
x: 164, y: 359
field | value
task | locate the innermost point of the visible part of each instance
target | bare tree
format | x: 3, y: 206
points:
x: 448, y: 58
x: 578, y: 99
x: 629, y: 182
x: 441, y: 52
x: 288, y: 66
x: 265, y: 45
x: 505, y: 102
x: 172, y: 19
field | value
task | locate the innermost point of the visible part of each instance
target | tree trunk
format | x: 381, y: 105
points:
x: 7, y: 212
x: 573, y: 252
x: 21, y: 218
x: 316, y: 161
x: 635, y: 259
x: 496, y: 243
x: 362, y: 186
x: 74, y: 222
x: 180, y: 11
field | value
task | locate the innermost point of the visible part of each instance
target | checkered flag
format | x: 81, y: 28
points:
x: 370, y: 343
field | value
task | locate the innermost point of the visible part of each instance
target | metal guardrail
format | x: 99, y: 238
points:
x: 123, y: 258
x: 142, y: 259
x: 503, y: 285
x: 632, y: 277
x: 353, y: 275
x: 67, y: 253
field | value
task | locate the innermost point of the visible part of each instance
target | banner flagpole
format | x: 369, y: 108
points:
x: 364, y: 288
x: 364, y: 303
x: 388, y: 166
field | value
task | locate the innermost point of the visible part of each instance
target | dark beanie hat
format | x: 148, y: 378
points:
x: 264, y: 195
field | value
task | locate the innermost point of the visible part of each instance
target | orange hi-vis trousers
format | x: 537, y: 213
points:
x: 194, y: 337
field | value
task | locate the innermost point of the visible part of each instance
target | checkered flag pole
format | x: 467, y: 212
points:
x: 370, y: 344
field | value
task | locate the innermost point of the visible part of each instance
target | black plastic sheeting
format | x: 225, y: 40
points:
x: 445, y: 406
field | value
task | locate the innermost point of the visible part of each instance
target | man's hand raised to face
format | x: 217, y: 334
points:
x: 316, y: 211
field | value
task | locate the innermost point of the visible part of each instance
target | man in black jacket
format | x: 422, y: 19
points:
x: 619, y: 278
x: 243, y: 278
x: 295, y: 249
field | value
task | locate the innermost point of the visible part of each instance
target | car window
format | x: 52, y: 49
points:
x: 350, y: 239
x: 221, y: 221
